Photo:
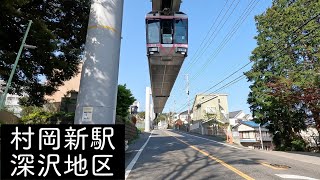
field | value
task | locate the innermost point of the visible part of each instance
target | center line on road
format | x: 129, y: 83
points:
x: 268, y: 165
x: 245, y: 176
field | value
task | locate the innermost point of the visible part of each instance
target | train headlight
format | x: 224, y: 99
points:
x: 181, y: 49
x: 153, y: 49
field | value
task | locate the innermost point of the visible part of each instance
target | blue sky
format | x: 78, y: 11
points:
x: 134, y: 65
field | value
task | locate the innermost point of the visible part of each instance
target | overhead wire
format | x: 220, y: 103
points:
x: 235, y: 27
x: 227, y: 38
x: 296, y: 39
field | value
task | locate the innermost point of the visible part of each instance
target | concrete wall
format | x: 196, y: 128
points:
x: 8, y: 118
x: 130, y: 131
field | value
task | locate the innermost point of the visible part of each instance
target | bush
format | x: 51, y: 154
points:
x: 37, y: 115
x: 298, y: 145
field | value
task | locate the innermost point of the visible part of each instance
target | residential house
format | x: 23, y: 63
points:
x: 181, y: 121
x: 249, y: 135
x: 236, y: 116
x: 162, y: 124
x: 183, y: 116
x: 209, y: 110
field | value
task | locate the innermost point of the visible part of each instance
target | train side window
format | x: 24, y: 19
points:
x: 167, y: 31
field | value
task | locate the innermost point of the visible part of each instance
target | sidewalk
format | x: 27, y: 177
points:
x: 135, y: 146
x: 308, y: 157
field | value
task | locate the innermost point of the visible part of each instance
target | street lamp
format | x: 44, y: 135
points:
x: 23, y: 45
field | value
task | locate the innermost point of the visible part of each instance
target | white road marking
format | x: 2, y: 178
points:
x: 136, y: 157
x: 211, y: 140
x: 291, y: 176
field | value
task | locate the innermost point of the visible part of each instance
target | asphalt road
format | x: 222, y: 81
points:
x: 175, y: 155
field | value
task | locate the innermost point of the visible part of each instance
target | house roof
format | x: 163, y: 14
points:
x: 234, y: 113
x: 184, y: 112
x: 212, y: 96
x: 252, y: 124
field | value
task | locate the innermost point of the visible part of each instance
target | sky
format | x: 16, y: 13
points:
x: 214, y: 58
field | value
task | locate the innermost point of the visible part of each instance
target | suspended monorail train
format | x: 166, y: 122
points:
x: 167, y: 47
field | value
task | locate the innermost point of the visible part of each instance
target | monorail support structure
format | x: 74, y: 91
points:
x: 96, y: 102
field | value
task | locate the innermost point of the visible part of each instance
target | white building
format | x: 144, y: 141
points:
x: 162, y: 124
x: 236, y: 116
x: 12, y: 100
x: 12, y: 104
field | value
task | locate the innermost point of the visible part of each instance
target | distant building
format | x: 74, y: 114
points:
x: 135, y: 107
x: 208, y: 111
x: 65, y: 98
x: 247, y: 133
x: 162, y: 124
x: 183, y: 116
x: 11, y: 101
x: 12, y: 104
x: 236, y: 116
x: 72, y: 85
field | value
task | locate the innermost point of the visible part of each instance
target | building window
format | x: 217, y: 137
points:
x: 245, y: 135
x: 211, y: 110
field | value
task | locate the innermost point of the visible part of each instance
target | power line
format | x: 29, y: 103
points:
x: 277, y: 49
x: 209, y: 32
x: 209, y: 42
x: 215, y: 20
x: 227, y: 38
x: 206, y: 47
x: 227, y: 77
x: 296, y: 39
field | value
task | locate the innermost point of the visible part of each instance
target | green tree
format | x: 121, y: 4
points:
x: 124, y: 101
x: 59, y: 32
x: 160, y: 117
x: 142, y: 115
x: 285, y: 72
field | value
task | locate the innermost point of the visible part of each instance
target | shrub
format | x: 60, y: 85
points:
x: 36, y: 115
x: 298, y: 145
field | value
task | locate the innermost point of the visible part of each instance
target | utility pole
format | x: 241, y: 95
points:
x: 261, y: 140
x: 174, y: 108
x: 97, y: 96
x: 188, y: 99
x: 23, y: 45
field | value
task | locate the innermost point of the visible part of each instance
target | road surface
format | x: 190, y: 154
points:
x: 176, y: 155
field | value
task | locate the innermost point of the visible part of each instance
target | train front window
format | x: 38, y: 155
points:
x: 167, y: 31
x: 181, y: 31
x: 153, y: 31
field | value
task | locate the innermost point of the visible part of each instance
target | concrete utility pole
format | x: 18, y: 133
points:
x: 99, y: 76
x: 147, y: 112
x: 261, y: 140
